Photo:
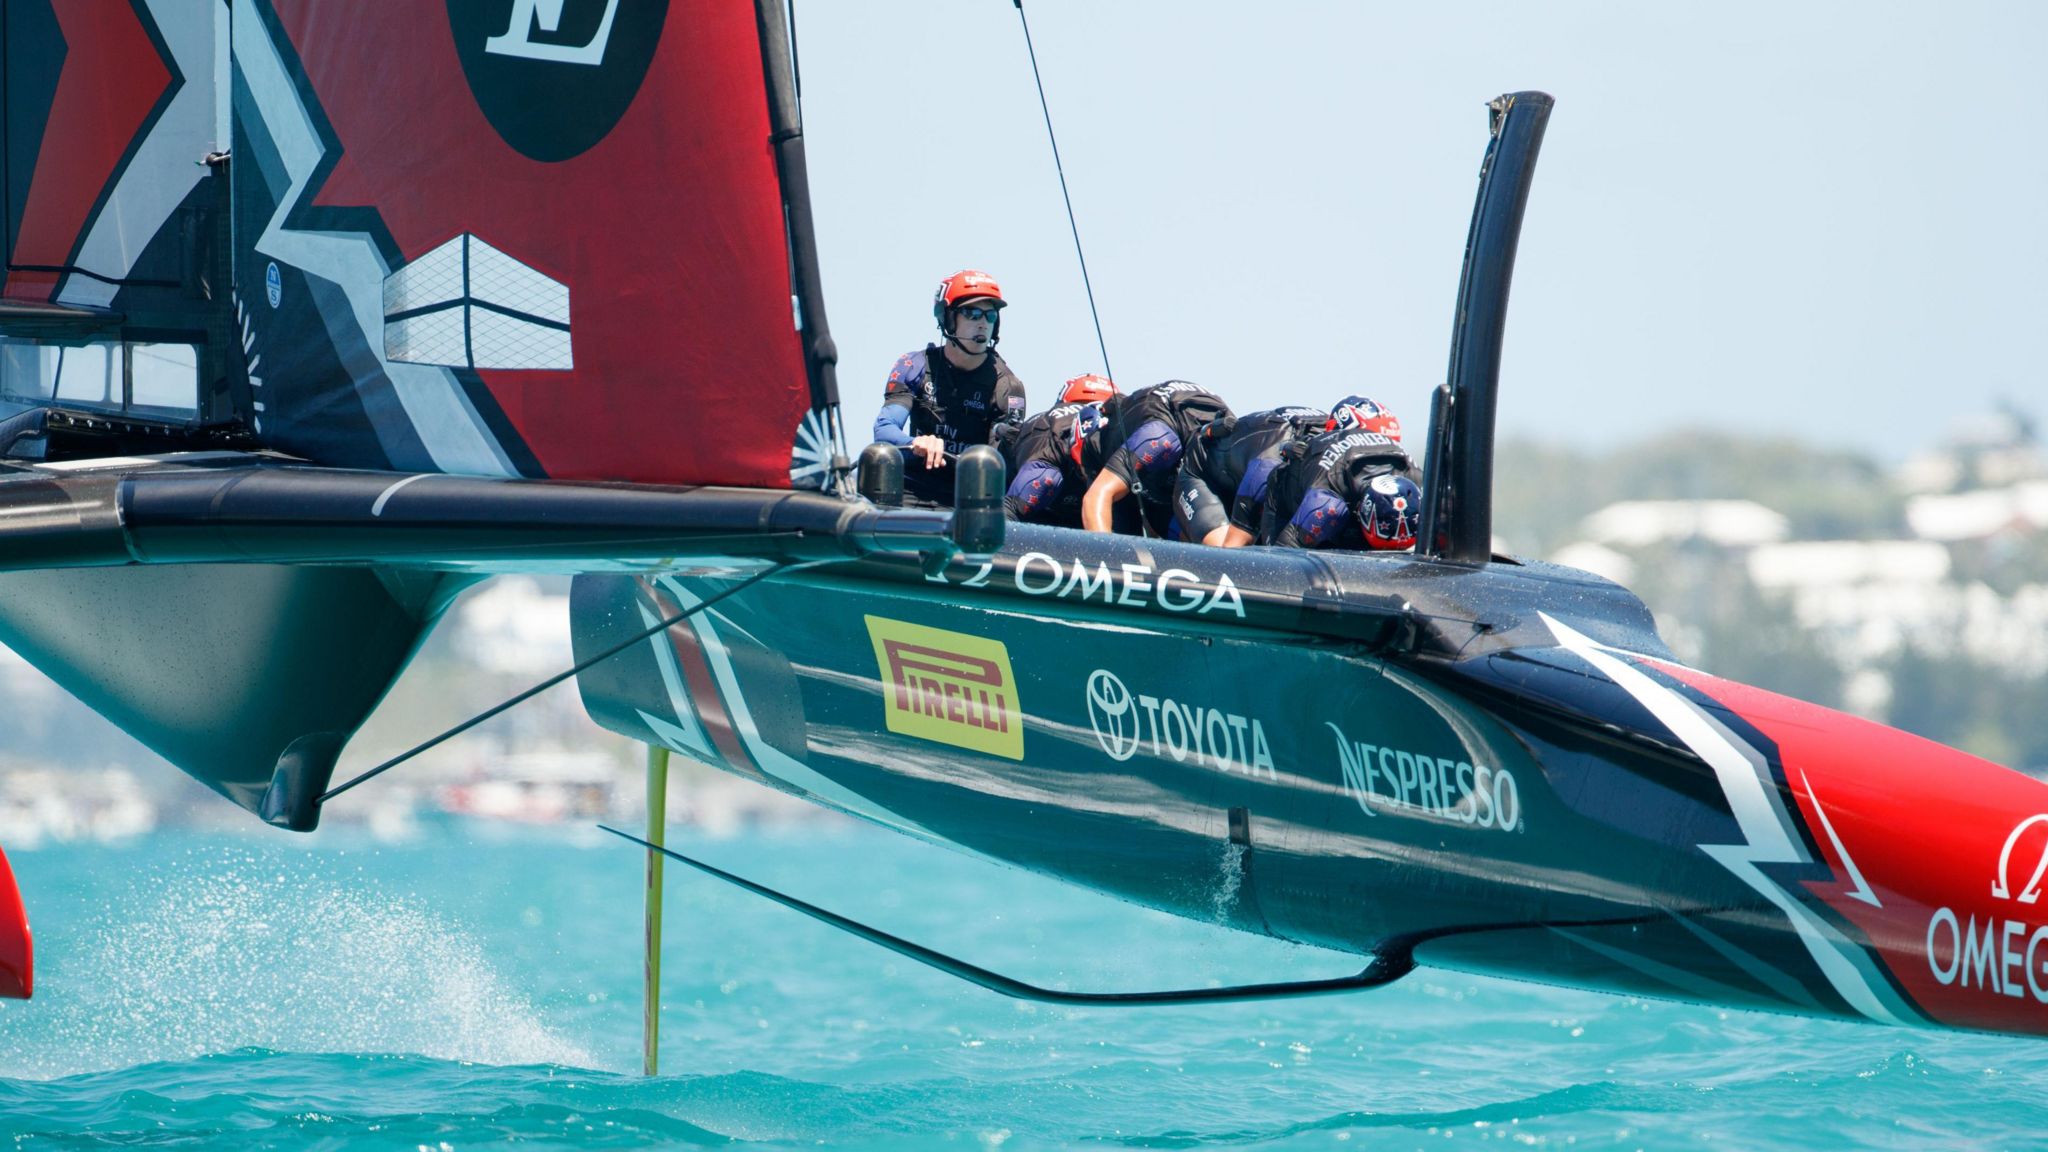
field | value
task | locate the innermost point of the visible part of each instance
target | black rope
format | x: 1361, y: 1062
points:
x: 1071, y: 225
x: 551, y: 681
x: 1387, y: 965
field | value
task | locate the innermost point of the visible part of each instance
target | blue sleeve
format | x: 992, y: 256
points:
x: 1320, y: 518
x: 1037, y: 485
x: 892, y: 425
x: 1150, y: 451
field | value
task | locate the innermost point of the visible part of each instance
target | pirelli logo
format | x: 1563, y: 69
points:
x: 948, y: 686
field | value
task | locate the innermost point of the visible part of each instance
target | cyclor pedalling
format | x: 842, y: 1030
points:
x: 1351, y: 487
x: 1143, y: 448
x: 1057, y: 454
x: 1221, y: 491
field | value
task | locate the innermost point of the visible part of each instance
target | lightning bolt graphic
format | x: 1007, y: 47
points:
x: 1765, y: 837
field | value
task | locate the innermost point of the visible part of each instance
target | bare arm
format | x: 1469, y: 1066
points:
x: 1098, y: 507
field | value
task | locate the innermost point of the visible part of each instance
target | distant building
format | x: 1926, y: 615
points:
x: 2019, y: 509
x: 1728, y: 523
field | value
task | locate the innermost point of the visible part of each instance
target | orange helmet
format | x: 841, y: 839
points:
x: 966, y: 284
x: 1089, y: 389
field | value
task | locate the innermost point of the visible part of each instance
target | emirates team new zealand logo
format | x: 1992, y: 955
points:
x: 554, y: 76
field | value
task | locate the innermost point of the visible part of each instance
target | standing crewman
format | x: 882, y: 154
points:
x: 1144, y: 443
x: 1221, y: 491
x: 1351, y: 487
x: 951, y: 396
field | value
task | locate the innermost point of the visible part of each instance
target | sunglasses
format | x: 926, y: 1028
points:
x: 977, y: 312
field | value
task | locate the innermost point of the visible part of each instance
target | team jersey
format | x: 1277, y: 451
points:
x: 1046, y: 481
x: 927, y: 396
x: 1224, y: 469
x: 1151, y: 427
x: 1310, y: 497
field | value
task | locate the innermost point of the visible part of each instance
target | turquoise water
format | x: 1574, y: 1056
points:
x: 265, y: 990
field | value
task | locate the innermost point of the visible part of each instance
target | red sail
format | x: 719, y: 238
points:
x: 544, y: 238
x: 580, y: 221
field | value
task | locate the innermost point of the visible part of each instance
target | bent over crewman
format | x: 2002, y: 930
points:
x: 1350, y: 487
x: 951, y: 396
x: 1055, y: 456
x: 1142, y: 451
x: 1221, y: 491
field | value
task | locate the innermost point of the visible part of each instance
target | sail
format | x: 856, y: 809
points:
x: 540, y: 238
x: 115, y: 220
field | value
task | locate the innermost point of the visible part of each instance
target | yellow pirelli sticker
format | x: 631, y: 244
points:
x: 948, y: 686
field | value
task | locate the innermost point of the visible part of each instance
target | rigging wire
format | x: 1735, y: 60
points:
x: 1071, y: 225
x: 551, y: 681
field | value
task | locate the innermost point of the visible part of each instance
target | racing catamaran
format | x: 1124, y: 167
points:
x: 312, y: 321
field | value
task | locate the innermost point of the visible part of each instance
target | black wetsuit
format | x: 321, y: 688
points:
x: 1146, y: 439
x: 1223, y: 471
x: 1311, y: 496
x: 927, y: 396
x: 1046, y: 482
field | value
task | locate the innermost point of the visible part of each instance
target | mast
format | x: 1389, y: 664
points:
x: 821, y: 356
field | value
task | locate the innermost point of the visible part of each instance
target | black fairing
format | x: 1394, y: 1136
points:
x: 248, y: 677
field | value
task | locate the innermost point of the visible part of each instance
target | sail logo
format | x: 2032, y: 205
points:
x: 1125, y: 722
x: 545, y: 16
x: 554, y: 77
x: 1380, y: 778
x: 947, y: 687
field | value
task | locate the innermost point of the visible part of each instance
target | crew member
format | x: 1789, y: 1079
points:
x: 1055, y: 456
x: 954, y: 395
x: 1221, y: 491
x: 1088, y: 389
x: 1144, y: 443
x: 1351, y: 487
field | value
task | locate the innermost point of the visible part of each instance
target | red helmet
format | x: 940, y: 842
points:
x: 966, y: 284
x: 1360, y: 414
x: 1089, y: 389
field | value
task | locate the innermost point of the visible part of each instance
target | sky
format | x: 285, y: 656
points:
x: 1819, y: 220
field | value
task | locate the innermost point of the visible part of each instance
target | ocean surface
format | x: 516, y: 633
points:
x: 482, y: 985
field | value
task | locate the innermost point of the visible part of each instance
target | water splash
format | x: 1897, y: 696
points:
x: 1230, y: 881
x: 226, y: 950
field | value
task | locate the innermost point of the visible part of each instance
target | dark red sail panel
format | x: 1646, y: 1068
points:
x: 110, y: 79
x: 581, y: 228
x: 17, y: 947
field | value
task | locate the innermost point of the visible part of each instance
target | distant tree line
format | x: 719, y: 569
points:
x: 1714, y: 617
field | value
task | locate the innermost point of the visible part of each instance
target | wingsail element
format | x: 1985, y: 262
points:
x: 17, y: 951
x: 507, y: 238
x: 444, y: 262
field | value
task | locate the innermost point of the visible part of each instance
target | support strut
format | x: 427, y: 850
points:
x: 657, y: 828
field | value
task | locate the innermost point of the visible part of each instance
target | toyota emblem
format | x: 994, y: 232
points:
x: 1112, y: 715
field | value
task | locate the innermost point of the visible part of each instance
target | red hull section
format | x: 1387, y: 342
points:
x: 1939, y: 857
x: 17, y: 950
